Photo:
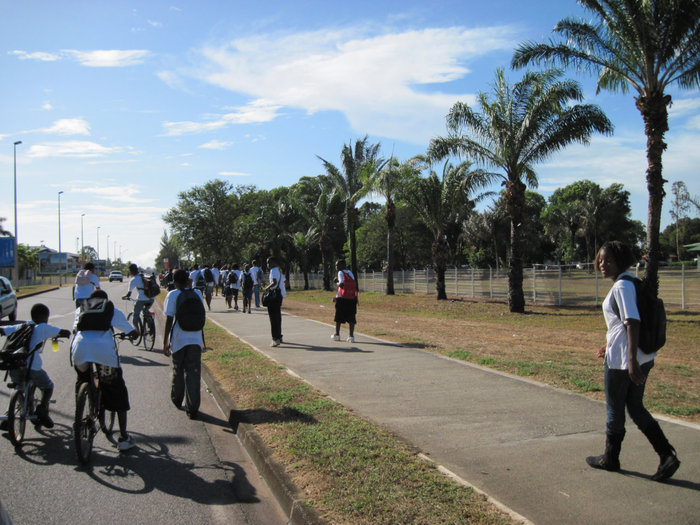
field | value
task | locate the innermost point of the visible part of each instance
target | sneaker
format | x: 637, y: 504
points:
x: 275, y: 342
x: 335, y: 337
x: 281, y: 340
x: 350, y: 339
x: 4, y: 425
x: 667, y: 467
x: 44, y: 419
x: 193, y: 415
x: 125, y: 444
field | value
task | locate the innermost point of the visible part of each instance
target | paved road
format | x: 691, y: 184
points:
x: 520, y: 442
x: 182, y: 471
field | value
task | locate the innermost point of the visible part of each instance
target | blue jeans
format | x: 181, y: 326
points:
x: 256, y: 292
x: 621, y: 393
x: 140, y: 306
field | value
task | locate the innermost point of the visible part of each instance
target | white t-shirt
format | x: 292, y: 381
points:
x: 276, y: 274
x: 84, y: 291
x: 616, y: 347
x: 180, y: 338
x: 254, y: 274
x: 92, y: 346
x: 137, y: 283
x: 41, y: 333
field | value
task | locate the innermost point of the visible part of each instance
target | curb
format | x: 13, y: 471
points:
x: 282, y: 487
x: 37, y: 293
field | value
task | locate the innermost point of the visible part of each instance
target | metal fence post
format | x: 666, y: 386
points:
x: 490, y: 283
x: 560, y: 278
x: 534, y: 284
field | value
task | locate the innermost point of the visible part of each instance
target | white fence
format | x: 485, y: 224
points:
x: 679, y: 286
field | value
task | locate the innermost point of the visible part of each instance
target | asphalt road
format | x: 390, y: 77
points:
x: 181, y: 471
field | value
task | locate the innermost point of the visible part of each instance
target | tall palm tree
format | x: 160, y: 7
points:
x: 350, y: 183
x: 519, y: 126
x: 388, y: 183
x: 303, y: 242
x: 644, y: 45
x: 442, y: 202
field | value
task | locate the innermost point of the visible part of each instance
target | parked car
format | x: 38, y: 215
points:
x: 116, y: 275
x: 8, y: 300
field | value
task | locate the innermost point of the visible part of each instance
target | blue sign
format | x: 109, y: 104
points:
x: 7, y: 252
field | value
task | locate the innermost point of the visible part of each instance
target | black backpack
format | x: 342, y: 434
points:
x: 189, y: 311
x: 200, y: 282
x: 247, y: 281
x: 232, y: 277
x: 151, y: 288
x: 652, y: 314
x: 96, y: 315
x: 208, y: 275
x: 16, y: 349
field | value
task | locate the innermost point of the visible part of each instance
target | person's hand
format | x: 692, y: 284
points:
x: 635, y: 372
x: 64, y: 333
x: 601, y: 351
x: 166, y: 349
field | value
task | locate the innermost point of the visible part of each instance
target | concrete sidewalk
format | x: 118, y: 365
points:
x: 520, y: 442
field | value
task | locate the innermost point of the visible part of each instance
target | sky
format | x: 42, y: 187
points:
x: 122, y: 105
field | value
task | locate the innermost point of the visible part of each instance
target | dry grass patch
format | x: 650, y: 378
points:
x: 552, y: 345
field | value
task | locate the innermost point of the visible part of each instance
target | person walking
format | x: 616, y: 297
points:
x: 346, y: 300
x: 258, y: 281
x: 274, y: 306
x: 627, y: 367
x: 183, y: 339
x: 247, y: 287
x: 86, y: 282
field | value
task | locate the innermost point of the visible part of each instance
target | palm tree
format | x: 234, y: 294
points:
x: 388, y: 182
x: 521, y: 125
x: 350, y: 183
x: 647, y: 46
x: 303, y: 242
x: 442, y: 202
x: 318, y: 212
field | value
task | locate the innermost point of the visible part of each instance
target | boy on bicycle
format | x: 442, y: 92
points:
x: 143, y: 303
x: 94, y: 343
x: 42, y: 331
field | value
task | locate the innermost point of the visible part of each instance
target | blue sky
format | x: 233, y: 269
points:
x: 122, y: 105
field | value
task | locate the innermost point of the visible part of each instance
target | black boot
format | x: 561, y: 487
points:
x: 42, y: 411
x: 669, y: 462
x: 610, y: 460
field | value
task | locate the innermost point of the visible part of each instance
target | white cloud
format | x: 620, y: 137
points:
x: 256, y: 112
x: 216, y: 144
x: 122, y: 193
x: 234, y: 174
x: 153, y: 23
x: 47, y: 106
x: 383, y: 84
x: 68, y: 126
x: 108, y: 57
x: 39, y: 55
x: 75, y: 148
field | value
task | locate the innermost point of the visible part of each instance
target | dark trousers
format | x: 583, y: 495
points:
x: 187, y: 373
x: 274, y: 311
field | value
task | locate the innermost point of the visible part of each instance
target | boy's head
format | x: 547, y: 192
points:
x: 100, y: 294
x: 180, y: 278
x: 89, y: 266
x: 133, y: 269
x: 40, y: 313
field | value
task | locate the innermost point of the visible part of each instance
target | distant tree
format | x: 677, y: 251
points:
x: 351, y: 183
x: 388, y: 183
x: 168, y: 251
x: 304, y: 243
x: 442, y: 202
x: 27, y: 259
x: 3, y: 231
x: 517, y: 127
x: 680, y: 206
x: 644, y: 45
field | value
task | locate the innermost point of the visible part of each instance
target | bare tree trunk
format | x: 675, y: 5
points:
x: 515, y: 204
x: 390, y: 222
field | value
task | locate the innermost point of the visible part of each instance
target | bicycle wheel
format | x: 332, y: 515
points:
x: 16, y: 419
x: 137, y: 341
x: 149, y: 332
x: 83, y: 428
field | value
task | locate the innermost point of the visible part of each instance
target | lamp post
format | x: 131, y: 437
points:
x: 16, y: 269
x: 59, y: 229
x: 82, y: 243
x: 98, y: 242
x: 108, y: 247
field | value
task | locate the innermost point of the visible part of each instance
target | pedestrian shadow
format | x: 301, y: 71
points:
x: 674, y: 482
x: 139, y: 361
x: 259, y: 416
x: 312, y: 348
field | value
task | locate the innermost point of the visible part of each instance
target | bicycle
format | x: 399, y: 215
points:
x: 25, y: 399
x: 147, y: 327
x: 91, y: 416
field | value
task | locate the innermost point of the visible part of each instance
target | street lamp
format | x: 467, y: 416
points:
x: 16, y: 269
x: 98, y: 243
x: 59, y: 227
x: 82, y: 243
x: 108, y: 247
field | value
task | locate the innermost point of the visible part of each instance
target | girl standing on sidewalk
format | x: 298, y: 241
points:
x: 626, y: 366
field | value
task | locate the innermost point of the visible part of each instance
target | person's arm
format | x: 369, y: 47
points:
x: 132, y: 285
x: 166, y: 335
x: 633, y: 368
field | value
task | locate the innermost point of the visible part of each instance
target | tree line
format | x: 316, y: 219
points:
x: 641, y: 46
